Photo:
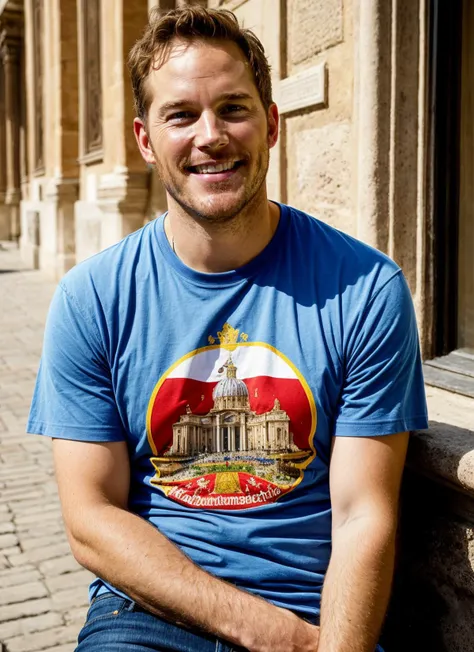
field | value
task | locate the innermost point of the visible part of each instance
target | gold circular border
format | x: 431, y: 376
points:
x: 309, y: 395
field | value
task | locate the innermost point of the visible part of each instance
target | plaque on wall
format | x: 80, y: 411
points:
x: 303, y: 90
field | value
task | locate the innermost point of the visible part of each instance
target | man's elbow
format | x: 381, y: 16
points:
x: 85, y: 533
x: 80, y: 547
x: 377, y: 526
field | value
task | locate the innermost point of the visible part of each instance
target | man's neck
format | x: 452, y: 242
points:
x: 212, y: 248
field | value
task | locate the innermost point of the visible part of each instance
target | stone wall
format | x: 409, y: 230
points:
x: 432, y: 607
x: 319, y: 142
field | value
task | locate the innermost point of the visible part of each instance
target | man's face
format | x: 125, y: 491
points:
x: 207, y: 131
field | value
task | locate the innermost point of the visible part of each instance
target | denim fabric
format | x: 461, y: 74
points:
x: 117, y: 625
x: 114, y: 624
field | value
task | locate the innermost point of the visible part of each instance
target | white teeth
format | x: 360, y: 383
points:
x: 213, y: 169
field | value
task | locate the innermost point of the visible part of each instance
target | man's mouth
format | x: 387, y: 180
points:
x: 215, y: 168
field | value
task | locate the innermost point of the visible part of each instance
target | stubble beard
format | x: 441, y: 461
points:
x: 234, y: 214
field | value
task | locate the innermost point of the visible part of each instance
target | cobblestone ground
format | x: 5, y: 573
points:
x: 43, y: 591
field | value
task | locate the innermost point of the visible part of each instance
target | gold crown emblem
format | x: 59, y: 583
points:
x: 228, y: 337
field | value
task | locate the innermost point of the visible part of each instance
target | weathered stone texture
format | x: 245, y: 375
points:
x: 69, y: 581
x: 58, y: 566
x: 42, y: 640
x: 23, y: 626
x: 320, y: 173
x: 24, y: 609
x: 262, y: 17
x: 22, y: 592
x: 433, y: 602
x: 88, y: 229
x: 313, y: 26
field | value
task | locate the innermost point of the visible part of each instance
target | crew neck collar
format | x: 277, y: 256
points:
x: 234, y: 276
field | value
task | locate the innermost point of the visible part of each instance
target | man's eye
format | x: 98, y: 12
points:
x: 234, y: 108
x: 180, y: 115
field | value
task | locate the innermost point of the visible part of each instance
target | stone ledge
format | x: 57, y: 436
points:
x: 444, y: 453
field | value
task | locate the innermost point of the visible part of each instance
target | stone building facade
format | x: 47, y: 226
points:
x: 377, y: 135
x: 231, y: 426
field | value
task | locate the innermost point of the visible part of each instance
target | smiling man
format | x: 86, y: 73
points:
x: 229, y: 389
x: 208, y: 186
x: 204, y: 125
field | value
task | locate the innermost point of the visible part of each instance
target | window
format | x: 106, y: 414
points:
x: 452, y: 86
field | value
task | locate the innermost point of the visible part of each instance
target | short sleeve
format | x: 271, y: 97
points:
x: 383, y: 391
x: 73, y: 397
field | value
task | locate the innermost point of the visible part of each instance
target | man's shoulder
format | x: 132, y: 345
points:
x: 107, y: 270
x: 331, y: 250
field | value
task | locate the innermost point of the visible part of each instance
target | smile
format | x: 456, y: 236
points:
x: 215, y: 168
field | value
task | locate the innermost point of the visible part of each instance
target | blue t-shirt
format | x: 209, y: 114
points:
x: 229, y: 387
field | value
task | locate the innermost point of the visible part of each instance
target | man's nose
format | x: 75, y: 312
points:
x: 210, y: 132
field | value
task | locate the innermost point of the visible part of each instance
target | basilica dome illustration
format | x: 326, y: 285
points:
x: 231, y: 425
x: 230, y: 392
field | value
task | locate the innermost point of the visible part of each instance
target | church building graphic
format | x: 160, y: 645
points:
x: 231, y: 425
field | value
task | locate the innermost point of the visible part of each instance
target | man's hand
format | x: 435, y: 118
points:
x: 132, y: 555
x: 365, y: 475
x: 287, y: 633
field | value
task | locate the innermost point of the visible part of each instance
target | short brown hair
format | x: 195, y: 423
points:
x: 193, y: 23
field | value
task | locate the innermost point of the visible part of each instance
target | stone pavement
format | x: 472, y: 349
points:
x: 43, y: 591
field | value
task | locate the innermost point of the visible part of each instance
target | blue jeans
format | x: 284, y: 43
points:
x: 117, y: 625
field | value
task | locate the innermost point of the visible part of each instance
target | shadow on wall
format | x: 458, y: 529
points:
x: 432, y: 607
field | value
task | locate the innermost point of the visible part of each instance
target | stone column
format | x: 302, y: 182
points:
x: 10, y: 49
x: 244, y: 438
x: 372, y: 108
x: 58, y: 255
x: 391, y: 112
x: 122, y: 198
x: 4, y: 211
x: 219, y: 434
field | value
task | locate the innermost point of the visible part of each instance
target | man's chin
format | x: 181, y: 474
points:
x: 216, y: 211
x: 220, y: 217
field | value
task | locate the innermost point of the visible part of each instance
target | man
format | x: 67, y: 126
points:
x: 229, y: 389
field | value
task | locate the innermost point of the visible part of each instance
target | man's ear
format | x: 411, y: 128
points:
x: 273, y: 125
x: 143, y: 142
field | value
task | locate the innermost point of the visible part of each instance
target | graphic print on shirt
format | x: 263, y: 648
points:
x: 231, y: 425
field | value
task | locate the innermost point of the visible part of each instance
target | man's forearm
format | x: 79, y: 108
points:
x: 357, y: 586
x: 136, y: 558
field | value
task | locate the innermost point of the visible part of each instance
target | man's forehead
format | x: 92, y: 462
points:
x: 222, y: 63
x: 180, y: 50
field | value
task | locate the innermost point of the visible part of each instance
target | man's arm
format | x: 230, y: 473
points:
x: 365, y: 476
x: 132, y: 555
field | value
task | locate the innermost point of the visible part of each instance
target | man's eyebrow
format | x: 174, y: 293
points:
x: 172, y: 106
x: 179, y: 104
x: 236, y: 96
